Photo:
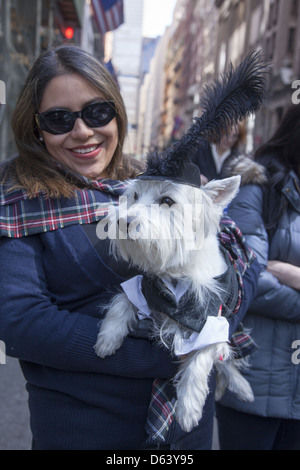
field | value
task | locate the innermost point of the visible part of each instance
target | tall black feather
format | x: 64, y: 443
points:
x: 237, y: 94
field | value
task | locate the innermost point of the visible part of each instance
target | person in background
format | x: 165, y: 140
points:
x: 211, y: 156
x: 267, y: 210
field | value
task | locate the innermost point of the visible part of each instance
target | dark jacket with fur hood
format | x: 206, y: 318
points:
x: 274, y: 316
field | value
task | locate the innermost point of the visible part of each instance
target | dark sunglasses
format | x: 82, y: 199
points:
x: 61, y: 121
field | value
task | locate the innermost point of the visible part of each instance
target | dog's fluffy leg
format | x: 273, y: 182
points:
x: 228, y: 376
x: 192, y: 385
x: 119, y: 318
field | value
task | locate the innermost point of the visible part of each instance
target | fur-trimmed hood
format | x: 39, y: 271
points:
x: 251, y: 172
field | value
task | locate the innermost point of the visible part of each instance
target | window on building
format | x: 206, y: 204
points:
x: 276, y: 11
x: 294, y: 8
x: 279, y: 114
x: 270, y: 22
x: 273, y: 14
x: 271, y: 43
x: 269, y: 48
x: 291, y: 40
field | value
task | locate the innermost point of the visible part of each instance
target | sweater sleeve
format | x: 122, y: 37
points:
x: 34, y: 329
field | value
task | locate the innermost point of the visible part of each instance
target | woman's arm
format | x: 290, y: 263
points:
x: 34, y: 329
x: 276, y: 300
x: 286, y: 273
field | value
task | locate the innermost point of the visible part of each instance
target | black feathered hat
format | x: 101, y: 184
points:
x: 237, y: 94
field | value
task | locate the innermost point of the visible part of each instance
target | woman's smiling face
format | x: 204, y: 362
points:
x: 85, y: 150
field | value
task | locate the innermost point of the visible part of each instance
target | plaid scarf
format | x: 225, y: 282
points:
x: 241, y: 256
x: 20, y: 217
x: 161, y: 411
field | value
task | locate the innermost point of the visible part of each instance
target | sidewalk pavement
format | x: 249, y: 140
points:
x: 14, y: 415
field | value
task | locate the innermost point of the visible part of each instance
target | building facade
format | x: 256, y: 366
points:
x: 189, y: 64
x: 206, y: 35
x: 272, y: 26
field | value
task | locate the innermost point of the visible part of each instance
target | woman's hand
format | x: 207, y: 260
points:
x: 286, y: 273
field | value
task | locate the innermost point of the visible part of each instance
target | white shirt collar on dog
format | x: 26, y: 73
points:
x: 133, y: 290
x: 215, y: 330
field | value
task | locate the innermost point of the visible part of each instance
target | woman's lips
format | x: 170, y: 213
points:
x: 86, y: 151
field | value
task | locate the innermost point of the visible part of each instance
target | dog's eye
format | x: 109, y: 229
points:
x: 167, y: 200
x: 135, y: 197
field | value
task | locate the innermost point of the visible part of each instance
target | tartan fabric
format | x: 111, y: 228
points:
x: 161, y: 411
x: 233, y: 240
x: 242, y: 343
x: 241, y: 256
x: 21, y: 217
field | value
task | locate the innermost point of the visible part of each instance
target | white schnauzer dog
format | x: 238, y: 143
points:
x: 167, y: 226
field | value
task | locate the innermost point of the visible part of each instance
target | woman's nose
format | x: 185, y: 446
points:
x: 81, y: 130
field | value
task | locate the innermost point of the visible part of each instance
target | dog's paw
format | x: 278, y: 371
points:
x: 186, y: 416
x: 105, y: 346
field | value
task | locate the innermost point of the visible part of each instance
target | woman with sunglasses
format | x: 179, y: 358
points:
x: 69, y: 125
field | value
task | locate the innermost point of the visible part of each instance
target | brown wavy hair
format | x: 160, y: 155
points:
x: 32, y: 169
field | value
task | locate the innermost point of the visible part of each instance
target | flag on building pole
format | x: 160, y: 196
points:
x: 109, y: 14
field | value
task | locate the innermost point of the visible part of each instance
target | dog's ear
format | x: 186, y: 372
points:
x: 223, y: 191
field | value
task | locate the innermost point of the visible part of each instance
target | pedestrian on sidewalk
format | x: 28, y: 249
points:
x: 268, y: 213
